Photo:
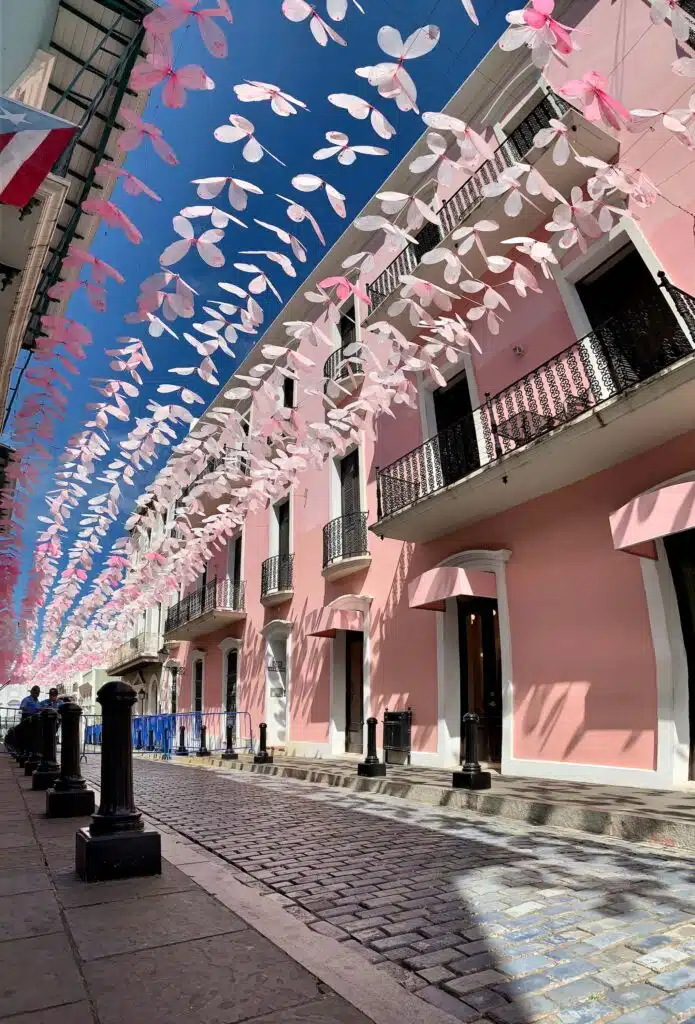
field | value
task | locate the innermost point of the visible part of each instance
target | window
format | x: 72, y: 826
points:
x: 288, y: 392
x: 234, y: 559
x: 198, y: 685
x: 350, y: 484
x: 347, y: 328
x: 232, y: 664
x: 427, y: 238
x: 174, y: 685
x: 282, y: 513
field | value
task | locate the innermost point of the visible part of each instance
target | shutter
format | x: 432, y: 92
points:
x: 230, y: 693
x: 350, y: 484
x: 283, y: 514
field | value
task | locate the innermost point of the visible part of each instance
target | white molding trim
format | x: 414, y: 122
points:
x: 229, y: 643
x: 277, y: 626
x: 278, y: 629
x: 309, y: 749
x: 570, y: 771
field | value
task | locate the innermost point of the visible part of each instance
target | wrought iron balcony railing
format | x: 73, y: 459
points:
x: 277, y: 574
x: 463, y: 202
x: 339, y: 367
x: 145, y: 646
x: 345, y: 537
x: 640, y: 340
x: 218, y: 595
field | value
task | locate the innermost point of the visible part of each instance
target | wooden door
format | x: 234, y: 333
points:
x: 354, y: 692
x: 680, y: 549
x: 456, y: 441
x: 481, y: 672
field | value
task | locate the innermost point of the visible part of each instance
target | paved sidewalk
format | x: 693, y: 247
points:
x: 487, y: 919
x: 164, y: 950
x: 665, y: 817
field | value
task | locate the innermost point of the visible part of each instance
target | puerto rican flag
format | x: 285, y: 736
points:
x: 30, y: 143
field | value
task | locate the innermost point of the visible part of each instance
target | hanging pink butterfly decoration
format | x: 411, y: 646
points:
x: 241, y: 128
x: 536, y: 28
x: 344, y: 288
x: 300, y: 10
x: 164, y: 21
x: 392, y: 80
x: 99, y: 270
x: 113, y: 216
x: 210, y: 188
x: 132, y: 185
x: 599, y: 105
x: 132, y: 137
x: 299, y: 213
x: 205, y: 244
x: 671, y: 9
x: 158, y: 69
x: 96, y: 295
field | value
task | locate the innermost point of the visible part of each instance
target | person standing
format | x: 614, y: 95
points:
x: 30, y: 704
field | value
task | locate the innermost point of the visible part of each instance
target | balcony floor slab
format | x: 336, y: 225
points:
x: 206, y: 623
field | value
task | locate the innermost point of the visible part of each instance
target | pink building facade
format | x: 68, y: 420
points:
x: 522, y: 544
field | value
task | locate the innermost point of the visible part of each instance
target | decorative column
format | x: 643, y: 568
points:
x: 371, y: 767
x: 471, y: 775
x: 69, y: 797
x: 116, y: 844
x: 263, y: 757
x: 47, y: 770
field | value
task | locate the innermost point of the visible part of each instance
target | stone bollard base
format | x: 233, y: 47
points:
x: 202, y: 753
x: 120, y: 855
x: 371, y: 770
x: 263, y: 758
x: 74, y: 803
x: 30, y: 767
x: 232, y: 756
x: 471, y: 780
x: 44, y: 780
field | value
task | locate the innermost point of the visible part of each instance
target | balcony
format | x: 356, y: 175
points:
x: 277, y: 580
x: 345, y: 546
x: 343, y: 375
x: 138, y: 650
x: 624, y: 389
x: 587, y: 139
x: 217, y: 604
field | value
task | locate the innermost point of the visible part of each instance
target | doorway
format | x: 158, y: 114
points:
x: 354, y: 692
x: 276, y: 677
x: 680, y: 551
x: 457, y: 442
x: 481, y: 672
x: 633, y: 323
x: 198, y: 686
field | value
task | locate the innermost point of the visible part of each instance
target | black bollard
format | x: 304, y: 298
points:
x: 69, y: 797
x: 150, y: 745
x: 263, y: 757
x: 47, y: 771
x: 138, y: 745
x: 371, y: 767
x: 21, y: 742
x: 33, y: 749
x: 116, y: 844
x: 166, y: 752
x: 471, y: 775
x: 230, y: 753
x: 203, y: 750
x: 182, y: 748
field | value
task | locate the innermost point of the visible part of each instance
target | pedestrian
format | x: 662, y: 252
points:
x: 52, y: 701
x: 30, y: 705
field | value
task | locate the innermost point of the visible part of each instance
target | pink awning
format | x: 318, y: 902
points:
x: 658, y: 513
x: 432, y: 588
x: 327, y: 621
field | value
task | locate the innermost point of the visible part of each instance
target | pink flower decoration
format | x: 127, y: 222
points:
x: 133, y: 186
x: 599, y: 105
x: 344, y: 288
x: 163, y: 22
x: 113, y: 216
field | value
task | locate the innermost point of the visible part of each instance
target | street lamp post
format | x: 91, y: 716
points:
x: 141, y: 696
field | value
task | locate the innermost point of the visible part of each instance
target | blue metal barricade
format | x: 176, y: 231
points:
x: 161, y: 735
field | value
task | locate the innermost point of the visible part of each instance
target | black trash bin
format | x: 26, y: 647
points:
x: 397, y: 736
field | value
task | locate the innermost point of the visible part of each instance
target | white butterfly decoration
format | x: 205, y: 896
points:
x: 311, y: 182
x: 663, y: 9
x: 260, y: 282
x: 557, y: 132
x: 416, y: 210
x: 210, y: 188
x: 298, y: 248
x: 472, y: 145
x: 299, y: 213
x: 281, y: 103
x: 392, y: 81
x: 361, y: 110
x: 218, y: 326
x: 300, y: 10
x: 205, y: 244
x: 347, y: 154
x: 276, y: 257
x: 337, y: 9
x: 241, y: 128
x: 218, y: 218
x: 438, y: 147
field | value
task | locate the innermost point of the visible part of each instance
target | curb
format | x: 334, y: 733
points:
x: 637, y: 828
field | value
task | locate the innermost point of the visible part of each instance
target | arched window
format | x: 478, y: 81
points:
x: 174, y: 688
x: 198, y: 685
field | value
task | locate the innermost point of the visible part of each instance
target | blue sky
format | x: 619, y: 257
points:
x: 264, y: 46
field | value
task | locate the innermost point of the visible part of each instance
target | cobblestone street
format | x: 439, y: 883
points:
x: 485, y: 919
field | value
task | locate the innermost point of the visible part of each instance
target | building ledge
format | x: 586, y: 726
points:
x: 274, y: 597
x: 346, y: 566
